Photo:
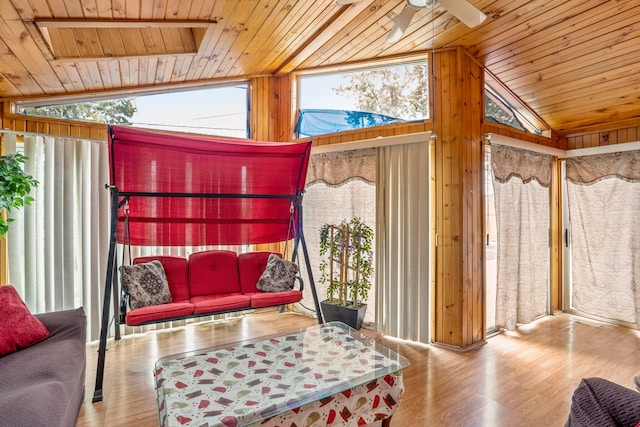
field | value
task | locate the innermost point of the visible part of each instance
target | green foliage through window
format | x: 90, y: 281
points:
x: 116, y: 111
x: 497, y: 110
x: 400, y: 92
x: 336, y: 102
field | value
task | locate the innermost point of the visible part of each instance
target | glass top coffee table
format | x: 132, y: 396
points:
x: 323, y: 373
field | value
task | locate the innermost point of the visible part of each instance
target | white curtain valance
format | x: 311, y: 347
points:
x: 509, y: 162
x: 587, y: 170
x: 336, y: 168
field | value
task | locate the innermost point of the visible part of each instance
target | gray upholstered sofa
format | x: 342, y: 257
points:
x: 43, y: 384
x: 597, y: 402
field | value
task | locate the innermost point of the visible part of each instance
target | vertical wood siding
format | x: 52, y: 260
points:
x: 43, y: 125
x: 459, y: 294
x: 596, y: 139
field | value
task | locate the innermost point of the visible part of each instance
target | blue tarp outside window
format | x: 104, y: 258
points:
x: 312, y: 122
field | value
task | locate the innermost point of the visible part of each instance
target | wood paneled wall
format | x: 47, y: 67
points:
x: 370, y: 133
x: 58, y: 127
x: 500, y: 129
x: 4, y: 258
x: 630, y: 133
x: 459, y: 294
x: 271, y: 112
x: 459, y: 291
x: 555, y: 237
x: 270, y: 120
x: 458, y: 108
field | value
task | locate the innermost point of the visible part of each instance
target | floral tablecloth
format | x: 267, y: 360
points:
x: 323, y: 375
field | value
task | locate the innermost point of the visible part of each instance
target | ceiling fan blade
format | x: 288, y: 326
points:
x: 402, y: 22
x: 467, y: 13
x: 345, y: 2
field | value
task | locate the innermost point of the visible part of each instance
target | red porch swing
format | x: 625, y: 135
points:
x: 185, y: 189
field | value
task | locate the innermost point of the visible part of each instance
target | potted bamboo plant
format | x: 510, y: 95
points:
x: 347, y: 269
x: 15, y: 186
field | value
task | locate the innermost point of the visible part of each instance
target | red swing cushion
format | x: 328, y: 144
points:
x: 251, y: 265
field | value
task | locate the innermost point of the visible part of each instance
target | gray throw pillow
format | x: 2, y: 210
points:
x: 279, y: 275
x: 146, y: 284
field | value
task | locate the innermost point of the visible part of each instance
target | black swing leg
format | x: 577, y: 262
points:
x: 116, y: 299
x: 104, y: 328
x: 102, y: 349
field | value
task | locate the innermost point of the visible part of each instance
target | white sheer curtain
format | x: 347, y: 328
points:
x: 340, y: 185
x: 57, y: 246
x: 521, y: 185
x: 604, y: 202
x: 402, y: 241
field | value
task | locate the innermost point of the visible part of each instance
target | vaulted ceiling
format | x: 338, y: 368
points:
x: 575, y: 63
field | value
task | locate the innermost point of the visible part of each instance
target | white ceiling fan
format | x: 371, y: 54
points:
x: 467, y: 13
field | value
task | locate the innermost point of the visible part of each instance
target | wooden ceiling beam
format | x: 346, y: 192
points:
x: 122, y: 23
x: 342, y: 18
x: 78, y: 60
x: 151, y: 89
x: 337, y: 49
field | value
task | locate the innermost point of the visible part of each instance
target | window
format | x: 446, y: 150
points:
x: 337, y: 102
x: 221, y: 111
x: 502, y: 106
x: 497, y: 109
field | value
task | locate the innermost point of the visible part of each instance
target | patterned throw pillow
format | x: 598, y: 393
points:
x: 146, y: 284
x: 279, y: 275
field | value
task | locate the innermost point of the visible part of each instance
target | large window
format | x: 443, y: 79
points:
x: 335, y: 102
x: 221, y: 111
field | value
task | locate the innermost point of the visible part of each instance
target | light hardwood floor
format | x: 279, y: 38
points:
x: 522, y: 378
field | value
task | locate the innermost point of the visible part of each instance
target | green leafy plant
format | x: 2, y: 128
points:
x: 15, y: 186
x: 347, y: 266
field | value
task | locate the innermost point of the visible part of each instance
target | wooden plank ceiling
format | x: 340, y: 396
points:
x: 575, y: 63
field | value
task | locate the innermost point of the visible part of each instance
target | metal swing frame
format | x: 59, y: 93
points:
x: 111, y: 288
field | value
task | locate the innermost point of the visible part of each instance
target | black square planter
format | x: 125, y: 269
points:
x: 347, y: 315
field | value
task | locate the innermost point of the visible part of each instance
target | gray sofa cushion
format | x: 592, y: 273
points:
x: 602, y: 403
x: 43, y: 385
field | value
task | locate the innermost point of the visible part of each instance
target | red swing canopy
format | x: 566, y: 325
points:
x: 186, y: 189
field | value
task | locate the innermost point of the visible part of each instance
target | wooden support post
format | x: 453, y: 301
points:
x: 458, y: 92
x: 4, y: 257
x: 4, y: 252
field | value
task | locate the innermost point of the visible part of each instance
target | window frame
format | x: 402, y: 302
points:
x: 17, y: 105
x: 522, y: 112
x: 355, y: 68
